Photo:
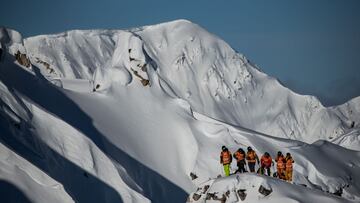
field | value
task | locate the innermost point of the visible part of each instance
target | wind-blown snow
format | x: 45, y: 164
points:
x: 84, y: 115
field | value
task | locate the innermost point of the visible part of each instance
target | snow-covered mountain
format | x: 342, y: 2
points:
x: 127, y: 115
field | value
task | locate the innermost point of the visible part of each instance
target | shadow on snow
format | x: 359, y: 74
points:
x: 46, y: 95
x: 10, y: 193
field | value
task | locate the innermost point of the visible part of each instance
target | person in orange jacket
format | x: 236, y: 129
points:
x: 225, y: 160
x: 251, y: 158
x: 239, y: 155
x: 280, y: 165
x: 289, y: 167
x: 266, y: 162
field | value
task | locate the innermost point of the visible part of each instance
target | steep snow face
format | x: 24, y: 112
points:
x: 37, y: 186
x: 10, y: 38
x: 131, y: 144
x: 35, y: 121
x: 348, y: 112
x: 197, y: 67
x: 223, y: 84
x: 74, y: 54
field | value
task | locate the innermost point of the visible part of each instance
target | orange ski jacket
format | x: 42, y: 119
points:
x: 280, y: 162
x: 251, y: 157
x: 289, y: 163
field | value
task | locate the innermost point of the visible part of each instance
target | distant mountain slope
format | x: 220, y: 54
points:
x: 199, y: 68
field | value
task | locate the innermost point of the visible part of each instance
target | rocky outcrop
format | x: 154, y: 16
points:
x: 47, y: 65
x: 22, y: 59
x: 264, y: 191
x: 242, y: 195
x: 193, y: 176
x: 143, y: 81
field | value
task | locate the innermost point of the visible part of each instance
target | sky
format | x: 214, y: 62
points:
x: 312, y: 47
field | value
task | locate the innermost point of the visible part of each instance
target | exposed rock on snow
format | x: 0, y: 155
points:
x: 264, y: 191
x: 22, y: 59
x: 242, y: 194
x: 249, y: 188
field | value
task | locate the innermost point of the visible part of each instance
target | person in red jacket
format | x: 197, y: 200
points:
x: 225, y: 160
x: 266, y: 162
x: 239, y: 155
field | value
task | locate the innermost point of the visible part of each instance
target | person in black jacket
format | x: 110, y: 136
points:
x: 239, y: 155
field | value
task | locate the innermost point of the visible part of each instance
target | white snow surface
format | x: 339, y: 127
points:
x: 83, y: 127
x: 250, y: 183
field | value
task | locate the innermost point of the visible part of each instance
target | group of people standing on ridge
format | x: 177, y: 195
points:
x: 284, y: 164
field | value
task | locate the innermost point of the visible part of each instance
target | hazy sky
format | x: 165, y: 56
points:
x: 311, y: 46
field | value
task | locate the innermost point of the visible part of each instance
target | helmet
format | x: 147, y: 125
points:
x: 249, y: 148
x: 267, y: 154
x: 223, y: 148
x: 240, y: 150
x: 288, y: 154
x: 279, y: 153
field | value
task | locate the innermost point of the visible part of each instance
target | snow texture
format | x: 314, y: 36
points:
x: 127, y: 115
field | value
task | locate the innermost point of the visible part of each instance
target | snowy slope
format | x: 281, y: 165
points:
x: 83, y: 117
x: 33, y: 129
x: 250, y: 184
x: 348, y: 112
x: 17, y: 171
x: 199, y: 68
x: 321, y: 165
